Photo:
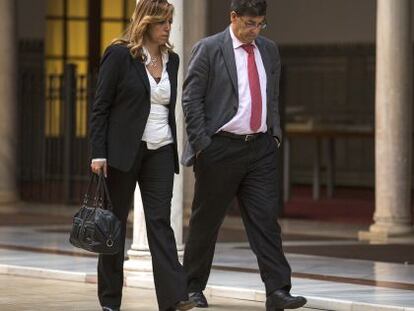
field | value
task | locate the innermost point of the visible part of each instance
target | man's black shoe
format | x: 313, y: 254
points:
x: 281, y: 299
x: 199, y: 299
x: 185, y: 305
x: 109, y: 309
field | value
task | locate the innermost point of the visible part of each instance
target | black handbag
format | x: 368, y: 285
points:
x: 95, y: 228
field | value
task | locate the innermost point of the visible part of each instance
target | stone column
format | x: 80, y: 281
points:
x: 393, y: 117
x: 8, y: 102
x: 177, y: 38
x: 196, y: 16
x: 139, y: 264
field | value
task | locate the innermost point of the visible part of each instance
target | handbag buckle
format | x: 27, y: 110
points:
x: 109, y: 243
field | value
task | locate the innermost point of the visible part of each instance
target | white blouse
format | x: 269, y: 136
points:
x: 157, y: 131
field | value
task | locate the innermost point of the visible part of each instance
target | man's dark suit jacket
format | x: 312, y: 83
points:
x: 122, y: 106
x: 210, y: 93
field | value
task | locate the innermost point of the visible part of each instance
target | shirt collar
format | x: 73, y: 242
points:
x: 236, y: 42
x: 164, y: 55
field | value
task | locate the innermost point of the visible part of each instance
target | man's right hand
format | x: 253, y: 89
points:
x: 98, y: 166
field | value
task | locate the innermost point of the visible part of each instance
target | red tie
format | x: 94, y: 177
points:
x: 255, y: 93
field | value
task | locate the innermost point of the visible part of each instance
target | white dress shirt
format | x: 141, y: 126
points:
x: 157, y: 131
x: 240, y: 123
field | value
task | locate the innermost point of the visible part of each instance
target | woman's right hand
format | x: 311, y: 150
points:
x: 99, y: 166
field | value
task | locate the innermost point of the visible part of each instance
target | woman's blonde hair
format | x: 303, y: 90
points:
x: 146, y: 12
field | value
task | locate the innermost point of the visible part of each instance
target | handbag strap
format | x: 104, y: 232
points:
x: 103, y: 191
x: 88, y: 191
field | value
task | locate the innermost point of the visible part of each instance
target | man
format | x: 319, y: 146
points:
x: 230, y: 103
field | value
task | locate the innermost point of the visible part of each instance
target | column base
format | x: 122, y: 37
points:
x: 383, y: 232
x: 140, y: 280
x: 139, y: 261
x: 138, y: 269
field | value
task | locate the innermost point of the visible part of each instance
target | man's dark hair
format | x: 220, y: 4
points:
x: 249, y: 7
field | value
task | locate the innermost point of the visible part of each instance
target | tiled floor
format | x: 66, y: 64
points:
x: 329, y: 283
x: 29, y: 294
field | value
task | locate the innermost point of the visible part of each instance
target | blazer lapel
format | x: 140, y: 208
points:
x: 228, y: 54
x: 140, y: 67
x: 172, y: 74
x: 266, y: 63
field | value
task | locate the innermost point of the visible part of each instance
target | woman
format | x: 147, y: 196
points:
x: 133, y: 138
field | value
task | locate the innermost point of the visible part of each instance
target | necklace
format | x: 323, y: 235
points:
x: 153, y: 61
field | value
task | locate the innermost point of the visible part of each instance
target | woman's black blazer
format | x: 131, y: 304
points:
x: 122, y: 106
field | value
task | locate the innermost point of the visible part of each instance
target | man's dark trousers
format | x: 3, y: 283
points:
x: 229, y: 168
